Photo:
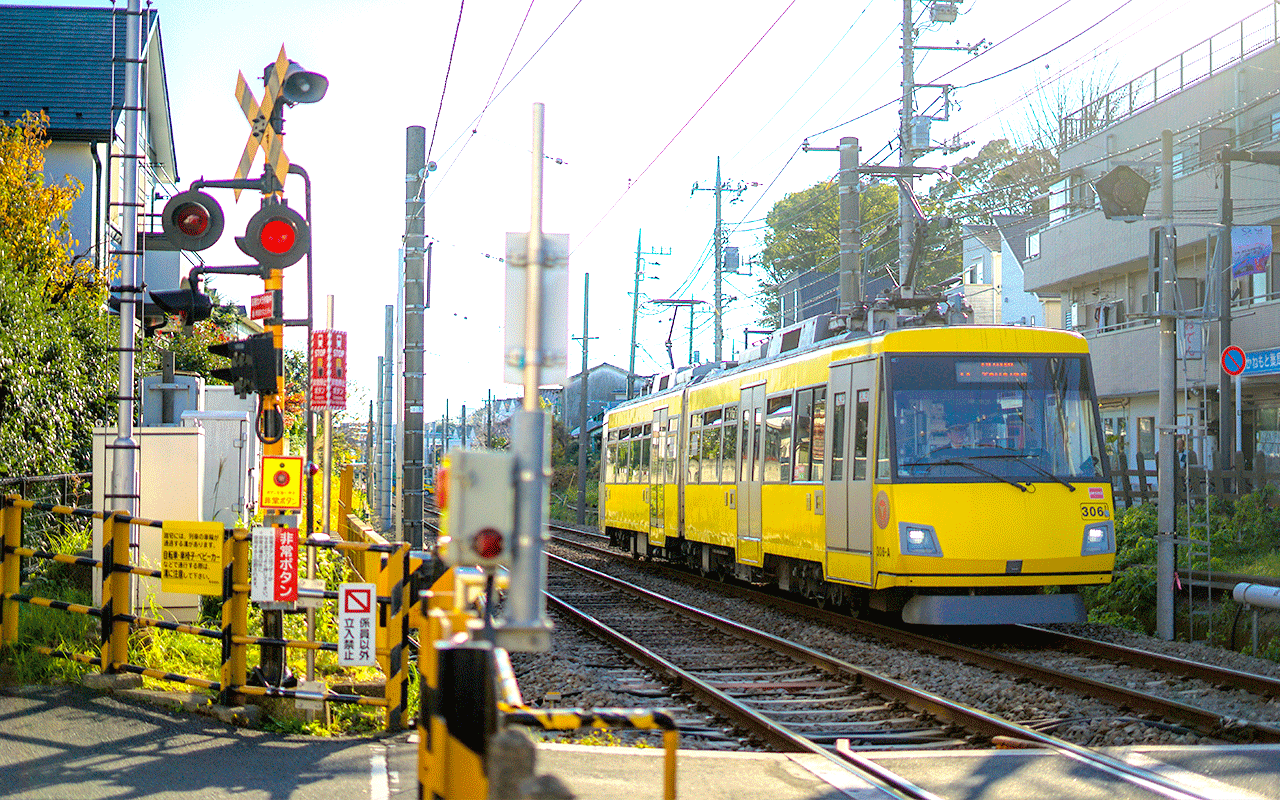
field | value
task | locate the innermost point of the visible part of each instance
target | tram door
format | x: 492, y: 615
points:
x: 850, y: 473
x: 750, y: 472
x: 657, y: 478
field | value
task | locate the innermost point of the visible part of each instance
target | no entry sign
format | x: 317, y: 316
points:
x: 357, y: 607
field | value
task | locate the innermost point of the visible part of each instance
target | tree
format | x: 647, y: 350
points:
x: 804, y: 235
x: 56, y: 363
x: 1001, y: 179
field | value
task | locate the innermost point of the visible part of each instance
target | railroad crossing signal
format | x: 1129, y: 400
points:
x: 261, y: 134
x: 192, y: 220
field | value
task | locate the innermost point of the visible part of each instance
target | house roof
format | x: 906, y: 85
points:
x: 60, y: 60
x: 989, y: 235
x: 1014, y: 230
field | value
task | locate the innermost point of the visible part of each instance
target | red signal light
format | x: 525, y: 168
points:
x: 277, y: 236
x: 442, y: 488
x: 192, y: 219
x: 487, y: 543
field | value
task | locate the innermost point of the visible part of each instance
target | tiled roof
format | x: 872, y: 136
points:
x: 59, y: 60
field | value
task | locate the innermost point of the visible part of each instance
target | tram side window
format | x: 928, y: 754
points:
x: 819, y: 433
x: 670, y: 461
x: 837, y: 436
x: 777, y: 439
x: 882, y: 433
x: 646, y: 446
x: 861, y: 418
x: 729, y: 445
x: 710, y: 446
x: 803, y: 435
x: 695, y: 449
x: 810, y: 433
x: 611, y: 458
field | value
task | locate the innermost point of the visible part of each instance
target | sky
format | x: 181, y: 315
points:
x: 640, y: 101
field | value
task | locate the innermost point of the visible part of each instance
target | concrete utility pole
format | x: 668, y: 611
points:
x: 906, y: 204
x: 584, y: 385
x: 852, y: 290
x: 411, y: 484
x: 851, y: 279
x: 635, y: 306
x: 737, y: 190
x: 1166, y: 524
x: 1227, y: 445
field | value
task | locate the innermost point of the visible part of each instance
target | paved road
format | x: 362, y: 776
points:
x: 71, y: 743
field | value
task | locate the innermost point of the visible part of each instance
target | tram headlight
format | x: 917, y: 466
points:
x: 918, y: 540
x: 1099, y: 539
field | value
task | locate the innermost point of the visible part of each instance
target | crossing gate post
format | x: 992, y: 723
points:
x: 463, y: 718
x: 235, y: 618
x: 395, y: 634
x: 10, y: 569
x: 115, y: 590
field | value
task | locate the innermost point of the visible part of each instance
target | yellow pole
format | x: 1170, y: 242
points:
x: 275, y: 402
x: 115, y: 594
x: 395, y: 641
x: 670, y: 742
x: 346, y: 481
x: 11, y: 570
x: 239, y: 609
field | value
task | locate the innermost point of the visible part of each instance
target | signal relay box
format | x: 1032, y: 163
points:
x: 479, y: 508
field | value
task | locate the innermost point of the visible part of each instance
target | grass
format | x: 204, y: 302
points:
x: 180, y: 653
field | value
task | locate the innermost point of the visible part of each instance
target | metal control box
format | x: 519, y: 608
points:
x: 481, y: 502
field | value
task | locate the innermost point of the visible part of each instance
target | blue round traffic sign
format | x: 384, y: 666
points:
x: 1232, y: 360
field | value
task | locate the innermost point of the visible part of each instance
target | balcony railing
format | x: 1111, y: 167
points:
x: 1215, y: 54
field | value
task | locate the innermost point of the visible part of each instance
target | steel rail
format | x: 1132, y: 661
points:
x: 1260, y: 684
x: 944, y: 709
x: 769, y: 731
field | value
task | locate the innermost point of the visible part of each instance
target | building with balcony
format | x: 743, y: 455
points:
x: 1224, y: 91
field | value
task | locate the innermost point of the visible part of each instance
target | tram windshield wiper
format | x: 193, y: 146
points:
x: 951, y: 462
x: 1025, y: 458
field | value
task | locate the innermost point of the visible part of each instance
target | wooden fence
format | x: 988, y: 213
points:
x: 1137, y: 484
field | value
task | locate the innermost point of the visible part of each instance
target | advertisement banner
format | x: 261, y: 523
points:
x: 1250, y: 250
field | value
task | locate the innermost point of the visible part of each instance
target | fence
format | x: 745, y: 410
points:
x: 1131, y: 486
x: 117, y: 620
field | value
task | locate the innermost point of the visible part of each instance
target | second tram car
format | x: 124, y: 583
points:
x: 953, y: 475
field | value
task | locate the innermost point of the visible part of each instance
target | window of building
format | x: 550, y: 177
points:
x: 1033, y: 244
x: 1147, y: 436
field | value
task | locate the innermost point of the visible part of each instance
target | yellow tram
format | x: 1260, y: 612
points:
x: 954, y: 475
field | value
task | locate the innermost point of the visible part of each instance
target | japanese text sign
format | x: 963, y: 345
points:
x: 274, y: 567
x: 191, y: 557
x: 357, y: 621
x: 328, y: 370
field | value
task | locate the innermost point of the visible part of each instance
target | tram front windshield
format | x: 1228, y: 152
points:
x: 983, y: 418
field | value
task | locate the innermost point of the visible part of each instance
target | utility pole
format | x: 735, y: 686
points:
x: 736, y: 190
x: 1166, y: 524
x: 906, y: 203
x: 412, y: 459
x: 584, y: 384
x: 852, y: 285
x: 635, y: 306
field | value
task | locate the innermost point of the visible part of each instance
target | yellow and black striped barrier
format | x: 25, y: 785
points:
x: 568, y: 719
x: 117, y: 619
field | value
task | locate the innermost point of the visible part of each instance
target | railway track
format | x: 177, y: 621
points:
x: 793, y: 697
x: 1154, y: 686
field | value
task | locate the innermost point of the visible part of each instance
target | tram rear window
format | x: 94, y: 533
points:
x: 997, y: 371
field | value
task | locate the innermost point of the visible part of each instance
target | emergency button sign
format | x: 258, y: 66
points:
x: 357, y: 607
x: 282, y: 482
